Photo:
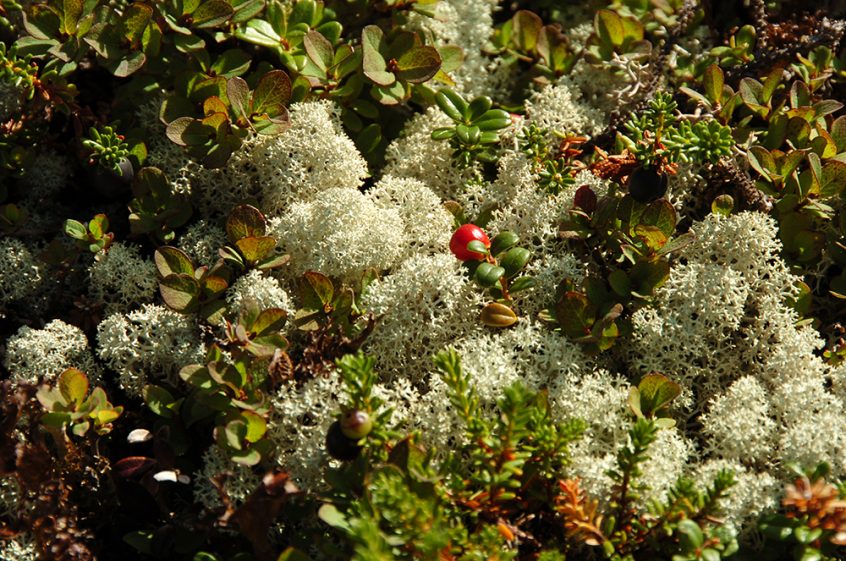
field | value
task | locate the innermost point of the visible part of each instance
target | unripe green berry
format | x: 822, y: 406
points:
x: 356, y: 424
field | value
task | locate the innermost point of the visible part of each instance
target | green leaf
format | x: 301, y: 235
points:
x: 248, y: 457
x: 452, y: 57
x: 526, y: 26
x: 291, y: 554
x: 245, y: 221
x: 620, y: 283
x: 477, y: 246
x: 256, y: 426
x: 503, y: 241
x: 333, y: 517
x: 260, y: 32
x: 369, y: 138
x: 76, y: 230
x: 575, y: 314
x: 180, y: 292
x: 71, y: 12
x: 396, y: 93
x: 256, y: 249
x: 750, y: 92
x: 271, y: 94
x: 238, y: 93
x: 833, y: 179
x: 374, y: 64
x: 211, y: 13
x: 647, y: 276
x: 805, y: 535
x: 691, y: 538
x: 609, y: 27
x: 452, y: 104
x: 800, y: 95
x: 135, y: 19
x: 418, y: 65
x: 73, y: 386
x: 488, y: 275
x: 319, y: 50
x: 826, y: 107
x: 56, y: 419
x: 524, y: 282
x: 187, y: 130
x: 98, y: 226
x: 656, y: 391
x: 271, y: 319
x: 246, y: 10
x: 677, y: 243
x: 159, y: 400
x: 273, y: 262
x: 171, y: 260
x: 478, y: 107
x: 713, y: 80
x: 231, y: 63
x: 634, y: 402
x: 321, y: 286
x: 838, y: 132
x: 771, y: 83
x: 234, y: 434
x: 493, y: 119
x: 514, y: 260
x: 661, y: 215
x: 652, y: 237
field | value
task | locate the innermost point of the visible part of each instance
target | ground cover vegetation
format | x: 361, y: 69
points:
x: 290, y: 280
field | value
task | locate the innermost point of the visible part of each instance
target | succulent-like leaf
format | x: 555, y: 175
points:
x: 452, y: 104
x: 514, y: 260
x: 487, y: 274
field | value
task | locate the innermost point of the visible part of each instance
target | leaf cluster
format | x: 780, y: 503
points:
x: 70, y: 405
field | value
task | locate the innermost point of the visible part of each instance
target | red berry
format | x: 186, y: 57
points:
x: 464, y: 235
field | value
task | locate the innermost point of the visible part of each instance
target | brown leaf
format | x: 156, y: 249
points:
x: 255, y: 516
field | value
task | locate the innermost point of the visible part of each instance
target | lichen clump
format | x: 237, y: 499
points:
x: 433, y: 279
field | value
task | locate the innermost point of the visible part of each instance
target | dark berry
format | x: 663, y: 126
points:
x: 340, y: 446
x: 647, y: 185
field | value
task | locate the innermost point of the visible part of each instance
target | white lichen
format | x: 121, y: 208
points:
x: 43, y: 354
x: 426, y: 223
x: 264, y: 290
x: 20, y: 274
x: 340, y: 233
x: 425, y: 304
x: 148, y: 345
x: 121, y: 279
x: 239, y: 481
